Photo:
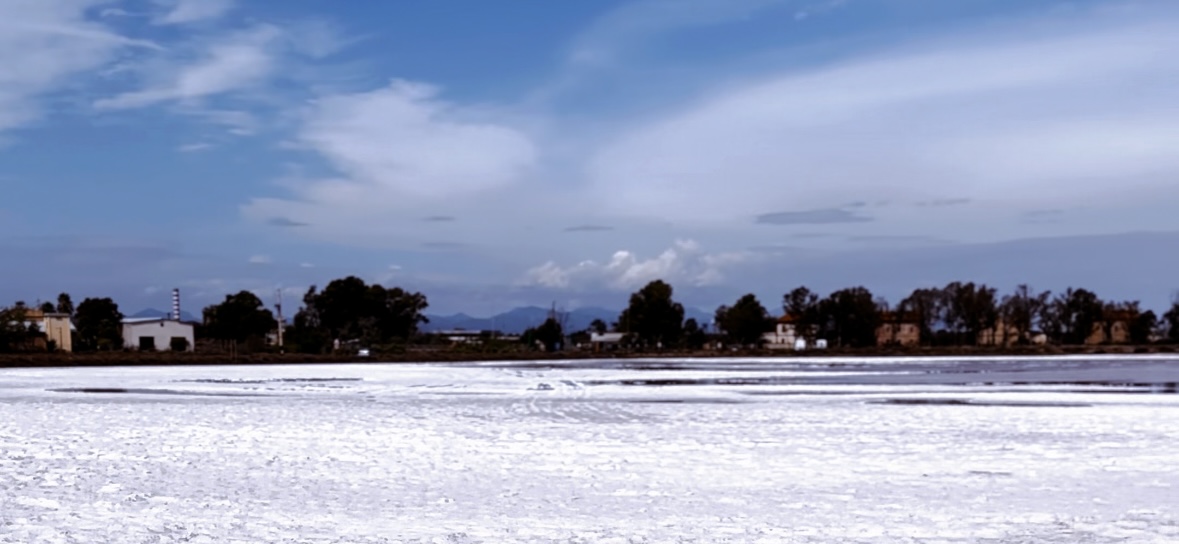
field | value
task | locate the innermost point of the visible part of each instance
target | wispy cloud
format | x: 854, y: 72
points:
x: 811, y: 217
x: 404, y: 138
x: 284, y: 222
x: 894, y: 240
x: 397, y: 150
x: 319, y: 39
x: 261, y: 259
x: 191, y: 11
x: 237, y: 61
x: 445, y: 246
x: 894, y: 125
x: 645, y: 20
x: 589, y: 228
x: 194, y: 147
x: 43, y: 45
x: 944, y: 202
x: 237, y: 122
x: 1042, y: 216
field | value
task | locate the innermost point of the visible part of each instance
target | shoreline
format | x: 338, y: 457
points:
x: 158, y: 359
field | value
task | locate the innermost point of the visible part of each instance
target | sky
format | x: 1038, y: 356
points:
x: 498, y: 154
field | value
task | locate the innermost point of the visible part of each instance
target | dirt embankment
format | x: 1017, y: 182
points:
x: 48, y: 360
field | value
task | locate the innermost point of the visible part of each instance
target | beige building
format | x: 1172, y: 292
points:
x: 1114, y: 329
x: 1002, y: 334
x: 785, y: 335
x: 56, y: 327
x: 898, y: 330
x: 1006, y: 335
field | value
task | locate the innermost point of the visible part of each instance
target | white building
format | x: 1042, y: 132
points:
x: 156, y: 333
x: 606, y: 340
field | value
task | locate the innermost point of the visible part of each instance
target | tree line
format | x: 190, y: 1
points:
x: 958, y: 314
x: 348, y: 313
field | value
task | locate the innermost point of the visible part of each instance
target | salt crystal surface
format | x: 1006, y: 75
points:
x: 700, y: 451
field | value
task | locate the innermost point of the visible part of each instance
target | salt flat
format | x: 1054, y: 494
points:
x: 817, y: 450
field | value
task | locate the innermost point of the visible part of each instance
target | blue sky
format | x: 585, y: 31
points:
x: 493, y: 154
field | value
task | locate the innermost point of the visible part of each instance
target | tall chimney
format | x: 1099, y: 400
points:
x: 176, y: 304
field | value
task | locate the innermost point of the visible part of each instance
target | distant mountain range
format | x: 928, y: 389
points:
x: 154, y: 313
x: 514, y: 321
x: 517, y: 320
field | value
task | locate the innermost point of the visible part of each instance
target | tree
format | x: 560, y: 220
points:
x: 47, y: 307
x: 849, y: 317
x: 1143, y: 327
x: 349, y: 309
x: 926, y: 306
x: 1071, y: 316
x: 969, y: 310
x: 1020, y: 311
x: 652, y: 316
x: 1172, y: 321
x: 745, y: 322
x: 549, y: 334
x: 306, y: 334
x: 803, y: 305
x: 598, y: 326
x: 240, y: 318
x: 99, y: 324
x: 65, y: 304
x: 15, y: 335
x: 694, y: 336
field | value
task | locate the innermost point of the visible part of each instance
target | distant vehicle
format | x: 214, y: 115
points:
x: 362, y: 353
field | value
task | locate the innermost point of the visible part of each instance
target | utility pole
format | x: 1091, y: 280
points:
x: 281, y: 321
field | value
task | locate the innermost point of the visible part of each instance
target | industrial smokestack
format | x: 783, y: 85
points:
x: 176, y: 304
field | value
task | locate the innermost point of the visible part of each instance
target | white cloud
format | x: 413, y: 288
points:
x: 618, y: 38
x: 684, y: 263
x: 403, y: 138
x: 625, y: 28
x: 1009, y: 120
x: 240, y: 123
x: 45, y: 43
x: 318, y: 39
x: 239, y: 61
x: 401, y: 152
x: 191, y: 11
x: 261, y: 259
x: 194, y: 147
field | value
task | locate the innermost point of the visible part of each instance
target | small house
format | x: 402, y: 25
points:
x: 606, y: 340
x: 56, y: 328
x: 785, y: 334
x: 897, y: 329
x: 1002, y: 334
x: 1114, y: 328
